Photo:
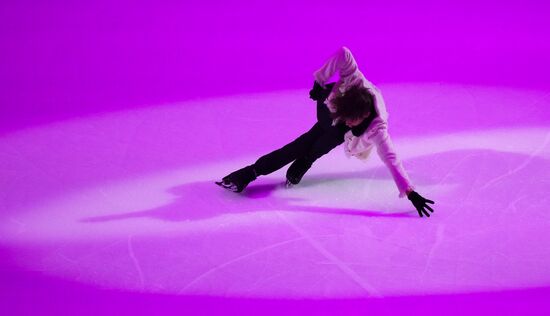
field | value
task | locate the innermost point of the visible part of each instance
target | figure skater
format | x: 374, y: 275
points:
x: 350, y: 111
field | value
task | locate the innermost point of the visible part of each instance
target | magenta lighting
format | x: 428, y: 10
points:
x: 372, y: 158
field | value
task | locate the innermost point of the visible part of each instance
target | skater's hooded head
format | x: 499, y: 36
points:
x: 353, y: 106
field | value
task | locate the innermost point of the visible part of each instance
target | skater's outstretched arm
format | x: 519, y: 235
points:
x: 342, y: 62
x: 384, y: 147
x: 386, y: 152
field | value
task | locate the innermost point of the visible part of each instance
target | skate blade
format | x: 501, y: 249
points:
x: 288, y: 184
x: 227, y: 186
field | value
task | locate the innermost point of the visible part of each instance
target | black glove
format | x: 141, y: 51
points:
x: 420, y: 203
x: 318, y: 92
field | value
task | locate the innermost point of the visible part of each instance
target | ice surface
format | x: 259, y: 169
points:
x: 127, y: 201
x: 117, y: 118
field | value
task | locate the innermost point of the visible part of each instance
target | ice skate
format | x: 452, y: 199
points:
x: 296, y: 171
x: 237, y: 181
x: 288, y: 184
x: 227, y: 185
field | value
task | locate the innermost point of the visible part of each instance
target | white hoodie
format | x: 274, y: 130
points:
x: 377, y: 133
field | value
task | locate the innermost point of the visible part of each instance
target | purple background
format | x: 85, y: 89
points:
x: 63, y: 58
x: 117, y: 117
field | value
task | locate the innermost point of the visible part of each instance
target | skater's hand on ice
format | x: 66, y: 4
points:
x: 420, y: 203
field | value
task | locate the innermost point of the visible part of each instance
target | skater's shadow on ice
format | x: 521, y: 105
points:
x: 202, y: 200
x: 483, y: 175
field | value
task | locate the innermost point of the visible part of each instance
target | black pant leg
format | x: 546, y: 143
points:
x: 284, y: 155
x: 300, y: 146
x: 331, y: 138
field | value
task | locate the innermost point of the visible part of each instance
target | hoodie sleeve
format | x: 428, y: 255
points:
x: 342, y: 62
x: 384, y: 147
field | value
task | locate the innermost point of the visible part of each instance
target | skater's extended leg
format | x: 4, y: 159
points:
x: 300, y: 146
x: 238, y: 180
x: 330, y: 139
x: 277, y: 159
